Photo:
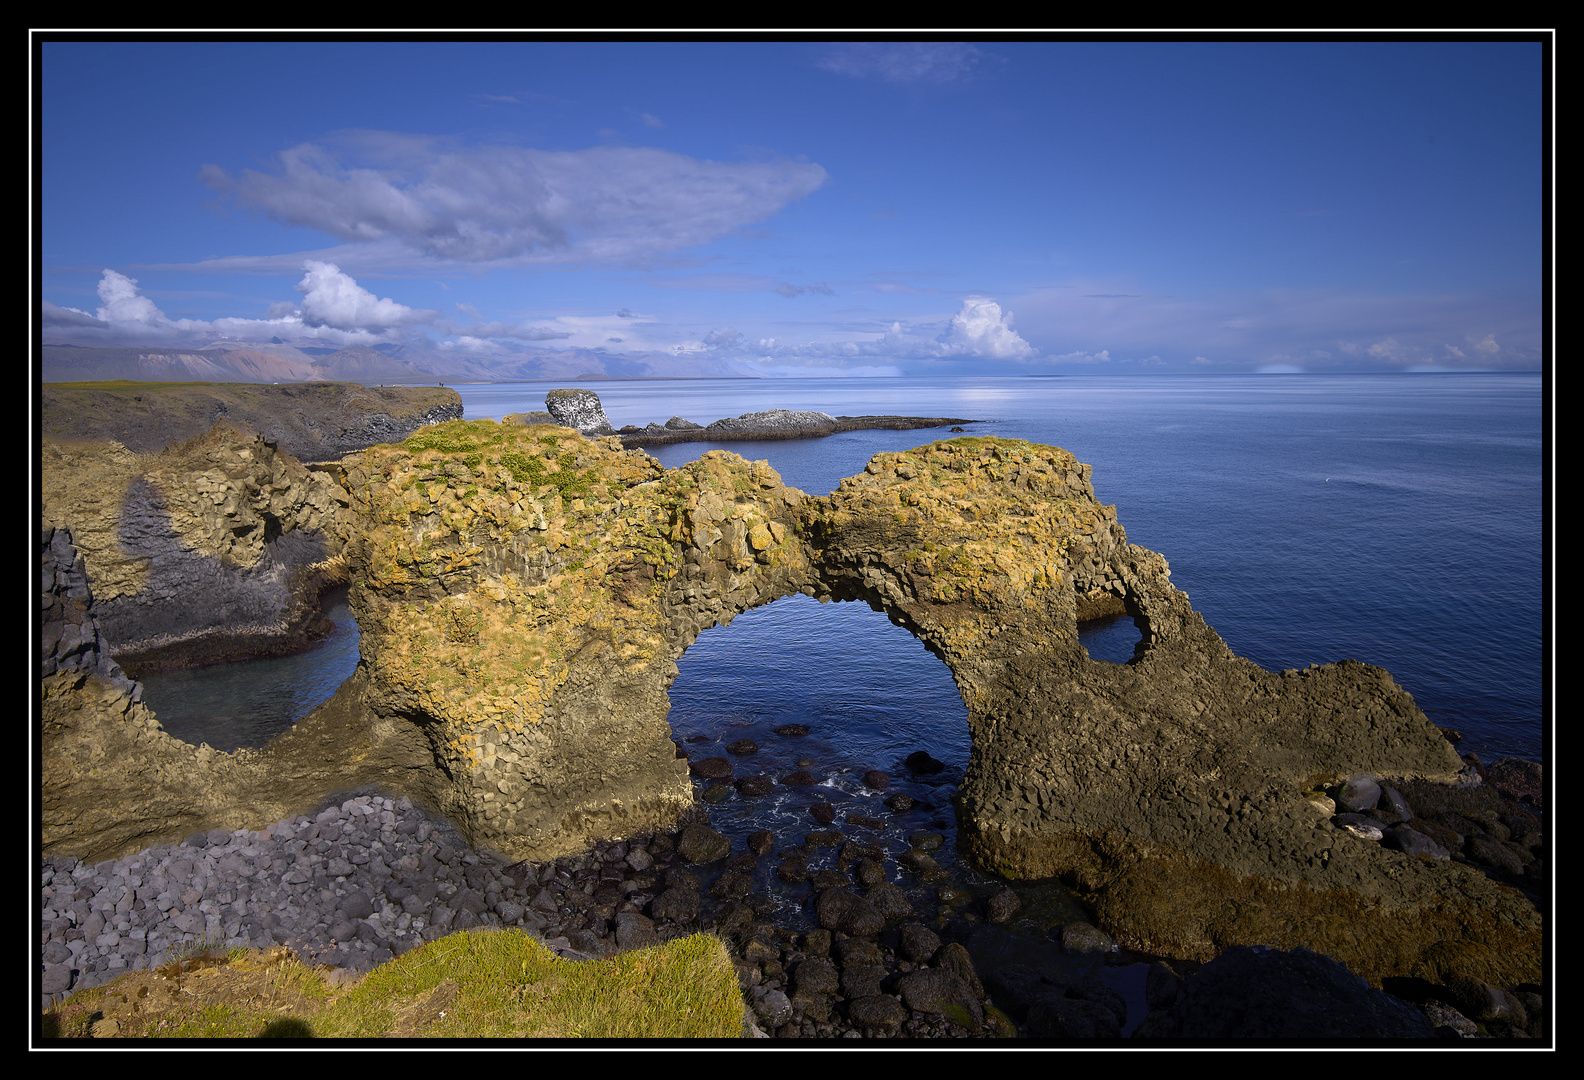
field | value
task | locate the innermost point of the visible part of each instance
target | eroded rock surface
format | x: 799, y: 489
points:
x: 214, y: 548
x: 523, y: 595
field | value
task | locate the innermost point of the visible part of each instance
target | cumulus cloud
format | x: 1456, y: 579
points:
x: 332, y: 298
x: 903, y: 61
x: 59, y: 316
x: 513, y: 204
x: 334, y: 309
x: 980, y: 329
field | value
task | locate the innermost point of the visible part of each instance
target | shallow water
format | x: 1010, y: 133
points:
x: 250, y: 702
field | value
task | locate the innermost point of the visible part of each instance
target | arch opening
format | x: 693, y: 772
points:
x: 869, y: 694
x: 249, y: 702
x: 1112, y: 639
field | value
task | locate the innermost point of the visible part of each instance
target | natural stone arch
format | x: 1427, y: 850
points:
x: 523, y: 595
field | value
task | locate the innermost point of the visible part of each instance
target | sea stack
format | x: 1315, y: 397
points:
x: 579, y: 409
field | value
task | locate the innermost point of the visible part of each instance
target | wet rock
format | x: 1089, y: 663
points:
x: 900, y: 803
x: 822, y: 812
x: 741, y: 747
x: 1081, y: 937
x: 876, y: 780
x: 918, y: 943
x: 701, y: 844
x: 792, y: 731
x: 932, y: 990
x: 711, y: 768
x: 799, y: 778
x: 844, y: 910
x: 920, y: 762
x: 753, y: 787
x: 1002, y: 906
x: 880, y: 1012
x: 761, y: 842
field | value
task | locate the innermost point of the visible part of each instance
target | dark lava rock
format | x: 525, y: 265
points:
x: 876, y: 779
x: 800, y: 778
x: 844, y: 910
x: 1358, y: 794
x: 890, y: 901
x: 868, y: 872
x: 921, y: 762
x: 792, y: 730
x: 761, y: 842
x: 1413, y: 842
x: 816, y: 974
x: 1256, y: 992
x: 742, y: 746
x: 752, y: 787
x: 879, y: 1013
x: 1519, y: 780
x: 716, y: 792
x: 711, y: 768
x: 919, y: 943
x: 931, y: 990
x: 701, y: 844
x: 953, y: 957
x: 677, y: 905
x: 1080, y: 937
x: 823, y: 812
x: 866, y: 822
x: 900, y: 803
x: 926, y: 841
x: 1000, y: 907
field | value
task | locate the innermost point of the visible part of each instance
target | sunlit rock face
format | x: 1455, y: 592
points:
x: 524, y: 592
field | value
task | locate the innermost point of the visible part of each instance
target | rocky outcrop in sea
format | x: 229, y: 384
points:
x: 524, y: 593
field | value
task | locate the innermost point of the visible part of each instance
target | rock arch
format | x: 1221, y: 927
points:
x: 524, y: 593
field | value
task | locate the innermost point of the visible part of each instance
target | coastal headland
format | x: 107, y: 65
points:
x: 524, y: 591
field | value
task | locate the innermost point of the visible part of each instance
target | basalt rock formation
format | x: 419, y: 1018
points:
x: 215, y: 548
x: 524, y: 593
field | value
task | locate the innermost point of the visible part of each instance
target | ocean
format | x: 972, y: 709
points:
x: 1394, y: 519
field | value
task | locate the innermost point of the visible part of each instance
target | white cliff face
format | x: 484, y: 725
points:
x: 579, y: 409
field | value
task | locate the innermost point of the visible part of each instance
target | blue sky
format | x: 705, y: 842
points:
x: 806, y: 207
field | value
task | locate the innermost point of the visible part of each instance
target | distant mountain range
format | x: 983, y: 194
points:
x: 381, y: 364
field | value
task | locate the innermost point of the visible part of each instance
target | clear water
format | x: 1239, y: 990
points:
x: 249, y: 703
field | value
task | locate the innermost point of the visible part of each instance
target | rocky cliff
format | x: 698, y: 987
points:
x: 524, y: 592
x: 317, y: 421
x: 212, y: 549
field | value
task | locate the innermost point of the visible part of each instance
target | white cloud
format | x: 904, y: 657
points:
x: 334, y: 299
x: 512, y: 204
x: 59, y: 316
x: 902, y: 62
x: 1487, y: 345
x: 980, y: 329
x: 125, y: 315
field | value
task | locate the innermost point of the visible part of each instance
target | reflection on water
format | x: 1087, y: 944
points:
x: 249, y: 703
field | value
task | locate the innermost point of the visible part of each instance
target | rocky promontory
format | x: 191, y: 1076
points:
x: 316, y: 421
x: 524, y: 593
x: 582, y: 410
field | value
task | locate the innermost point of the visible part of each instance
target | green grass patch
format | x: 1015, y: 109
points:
x: 478, y: 984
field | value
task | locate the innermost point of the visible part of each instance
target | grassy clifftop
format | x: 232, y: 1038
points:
x: 311, y: 421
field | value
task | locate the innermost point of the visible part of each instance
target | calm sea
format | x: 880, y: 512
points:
x: 1394, y: 519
